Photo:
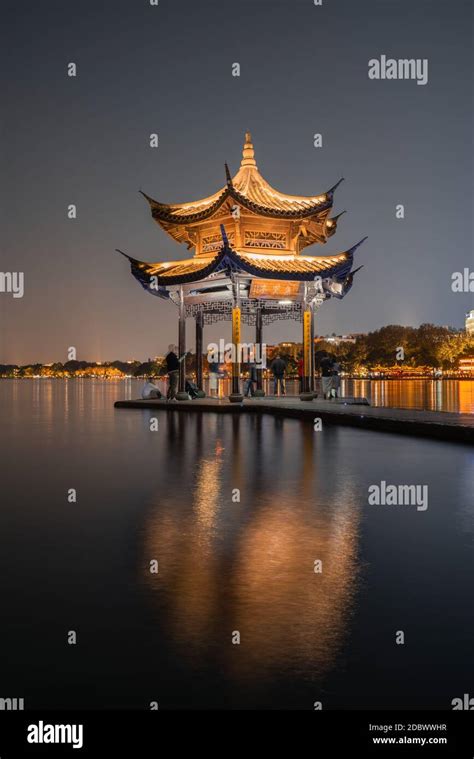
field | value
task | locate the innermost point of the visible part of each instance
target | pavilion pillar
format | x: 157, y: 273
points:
x: 312, y: 383
x: 182, y: 395
x: 259, y: 392
x: 236, y: 396
x: 307, y: 393
x: 199, y: 332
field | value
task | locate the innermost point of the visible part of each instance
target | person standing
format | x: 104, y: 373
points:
x: 326, y: 375
x: 172, y: 368
x: 278, y: 370
x: 251, y: 380
x: 213, y: 376
x: 336, y: 379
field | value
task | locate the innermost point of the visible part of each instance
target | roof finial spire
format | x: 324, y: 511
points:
x: 248, y: 155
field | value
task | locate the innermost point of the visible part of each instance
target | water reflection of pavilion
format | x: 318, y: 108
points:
x: 249, y: 566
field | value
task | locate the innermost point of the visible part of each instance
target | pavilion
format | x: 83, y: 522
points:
x: 249, y: 263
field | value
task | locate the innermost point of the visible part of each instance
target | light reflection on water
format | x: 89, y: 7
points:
x: 436, y: 395
x: 248, y: 566
x: 224, y: 564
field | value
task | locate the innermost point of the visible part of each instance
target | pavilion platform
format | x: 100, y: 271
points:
x: 440, y: 425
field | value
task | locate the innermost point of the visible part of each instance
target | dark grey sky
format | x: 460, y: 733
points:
x: 167, y: 69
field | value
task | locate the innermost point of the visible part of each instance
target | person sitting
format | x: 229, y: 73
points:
x: 150, y: 390
x: 191, y: 389
x: 278, y: 369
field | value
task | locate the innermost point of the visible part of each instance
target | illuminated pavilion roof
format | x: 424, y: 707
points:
x: 249, y: 190
x: 302, y: 268
x: 246, y: 232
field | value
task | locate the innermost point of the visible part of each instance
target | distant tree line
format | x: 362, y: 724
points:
x: 425, y: 346
x: 72, y: 369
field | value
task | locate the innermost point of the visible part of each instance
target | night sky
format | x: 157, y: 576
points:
x: 168, y: 69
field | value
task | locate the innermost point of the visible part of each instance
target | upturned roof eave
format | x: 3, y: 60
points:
x: 229, y: 259
x: 163, y: 214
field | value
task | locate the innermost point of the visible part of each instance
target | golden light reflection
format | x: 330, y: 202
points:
x: 207, y: 492
x: 434, y: 395
x: 284, y: 610
x: 249, y: 565
x: 466, y: 396
x: 183, y: 547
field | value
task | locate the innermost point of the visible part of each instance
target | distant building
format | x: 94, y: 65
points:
x: 466, y: 365
x: 470, y: 322
x: 338, y: 339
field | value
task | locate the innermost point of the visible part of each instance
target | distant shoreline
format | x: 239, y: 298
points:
x: 361, y: 378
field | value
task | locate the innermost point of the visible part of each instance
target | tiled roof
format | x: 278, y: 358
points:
x: 251, y: 190
x: 292, y: 267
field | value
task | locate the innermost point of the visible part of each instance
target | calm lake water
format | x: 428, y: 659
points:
x: 226, y: 565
